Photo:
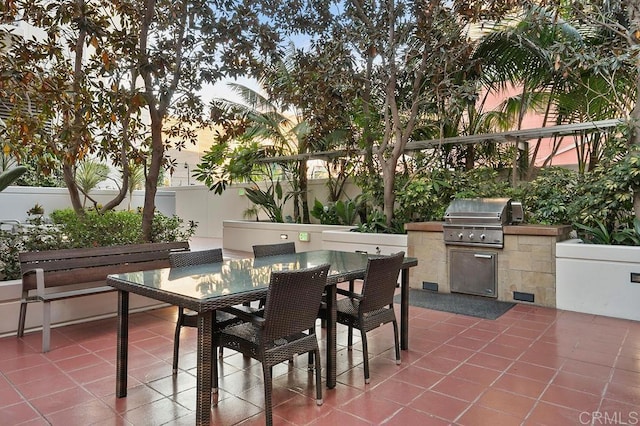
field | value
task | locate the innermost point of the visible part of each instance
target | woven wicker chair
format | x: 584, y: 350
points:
x: 264, y: 250
x: 189, y: 319
x: 373, y: 307
x: 293, y: 299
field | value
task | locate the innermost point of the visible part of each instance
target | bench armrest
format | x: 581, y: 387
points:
x: 39, y: 282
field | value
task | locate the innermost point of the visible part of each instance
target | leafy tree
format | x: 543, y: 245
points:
x: 413, y: 56
x: 101, y: 68
x: 615, y: 58
x: 56, y: 84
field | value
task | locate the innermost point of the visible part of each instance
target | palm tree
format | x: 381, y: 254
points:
x: 88, y: 175
x: 136, y: 180
x: 260, y: 130
x: 523, y: 53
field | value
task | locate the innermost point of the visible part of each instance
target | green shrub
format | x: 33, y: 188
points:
x: 338, y: 213
x: 72, y: 231
x: 550, y: 198
x: 425, y: 198
x: 28, y: 239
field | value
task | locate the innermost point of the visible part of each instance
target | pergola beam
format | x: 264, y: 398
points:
x: 510, y: 136
x: 518, y: 135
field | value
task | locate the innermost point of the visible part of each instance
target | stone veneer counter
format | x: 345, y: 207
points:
x: 526, y: 266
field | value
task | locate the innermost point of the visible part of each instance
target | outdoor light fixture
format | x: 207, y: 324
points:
x: 186, y: 166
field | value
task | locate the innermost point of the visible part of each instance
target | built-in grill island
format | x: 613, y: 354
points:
x: 482, y: 247
x: 477, y: 222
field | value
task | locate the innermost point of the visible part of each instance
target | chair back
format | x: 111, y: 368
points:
x: 188, y: 258
x: 293, y: 301
x: 264, y: 250
x: 380, y: 282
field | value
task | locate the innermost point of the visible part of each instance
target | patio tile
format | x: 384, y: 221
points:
x: 409, y: 416
x: 157, y: 412
x: 475, y: 374
x: 490, y: 361
x: 372, y: 408
x: 462, y: 389
x: 483, y: 416
x: 571, y: 398
x: 507, y: 402
x: 420, y: 377
x: 548, y: 414
x: 580, y: 383
x: 442, y: 406
x: 90, y: 412
x: 624, y: 393
x: 398, y: 390
x: 337, y: 417
x: 20, y: 413
x: 531, y: 366
x: 61, y: 400
x: 520, y: 385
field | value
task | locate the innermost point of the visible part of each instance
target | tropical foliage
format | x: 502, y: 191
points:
x: 368, y: 80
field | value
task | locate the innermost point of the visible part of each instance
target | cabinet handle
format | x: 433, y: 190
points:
x: 483, y: 256
x: 635, y: 277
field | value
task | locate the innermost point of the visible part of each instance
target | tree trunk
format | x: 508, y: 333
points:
x: 389, y: 179
x: 304, y: 189
x: 151, y: 182
x: 72, y: 188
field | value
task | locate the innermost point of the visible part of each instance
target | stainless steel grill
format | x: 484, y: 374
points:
x: 480, y: 221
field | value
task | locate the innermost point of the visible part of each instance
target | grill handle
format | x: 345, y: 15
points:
x: 489, y: 216
x: 483, y: 256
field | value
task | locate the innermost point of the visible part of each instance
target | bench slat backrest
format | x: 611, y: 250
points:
x: 72, y: 266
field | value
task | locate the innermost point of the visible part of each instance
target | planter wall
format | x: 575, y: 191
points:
x: 359, y: 241
x: 596, y: 279
x: 210, y: 211
x: 241, y: 235
x: 16, y: 200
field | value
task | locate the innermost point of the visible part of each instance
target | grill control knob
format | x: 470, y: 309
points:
x: 482, y: 237
x: 471, y: 236
x: 460, y: 236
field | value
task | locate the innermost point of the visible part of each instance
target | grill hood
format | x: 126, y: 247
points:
x: 487, y: 211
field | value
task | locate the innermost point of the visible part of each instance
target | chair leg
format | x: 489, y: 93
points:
x: 349, y: 337
x: 46, y: 326
x: 268, y: 389
x: 397, y: 341
x: 310, y: 362
x: 365, y: 354
x: 176, y: 339
x: 319, y: 400
x: 22, y: 317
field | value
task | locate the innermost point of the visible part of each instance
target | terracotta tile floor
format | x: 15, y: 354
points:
x: 531, y: 366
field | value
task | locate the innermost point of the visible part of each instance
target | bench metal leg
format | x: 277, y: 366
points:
x: 22, y: 317
x: 46, y: 326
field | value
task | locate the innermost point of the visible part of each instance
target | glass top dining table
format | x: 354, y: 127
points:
x: 207, y: 287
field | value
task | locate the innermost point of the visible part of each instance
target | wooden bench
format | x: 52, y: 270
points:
x: 53, y: 275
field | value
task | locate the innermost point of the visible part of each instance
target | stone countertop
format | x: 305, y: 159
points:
x: 561, y: 231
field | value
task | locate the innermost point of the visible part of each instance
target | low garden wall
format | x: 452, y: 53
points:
x: 598, y: 279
